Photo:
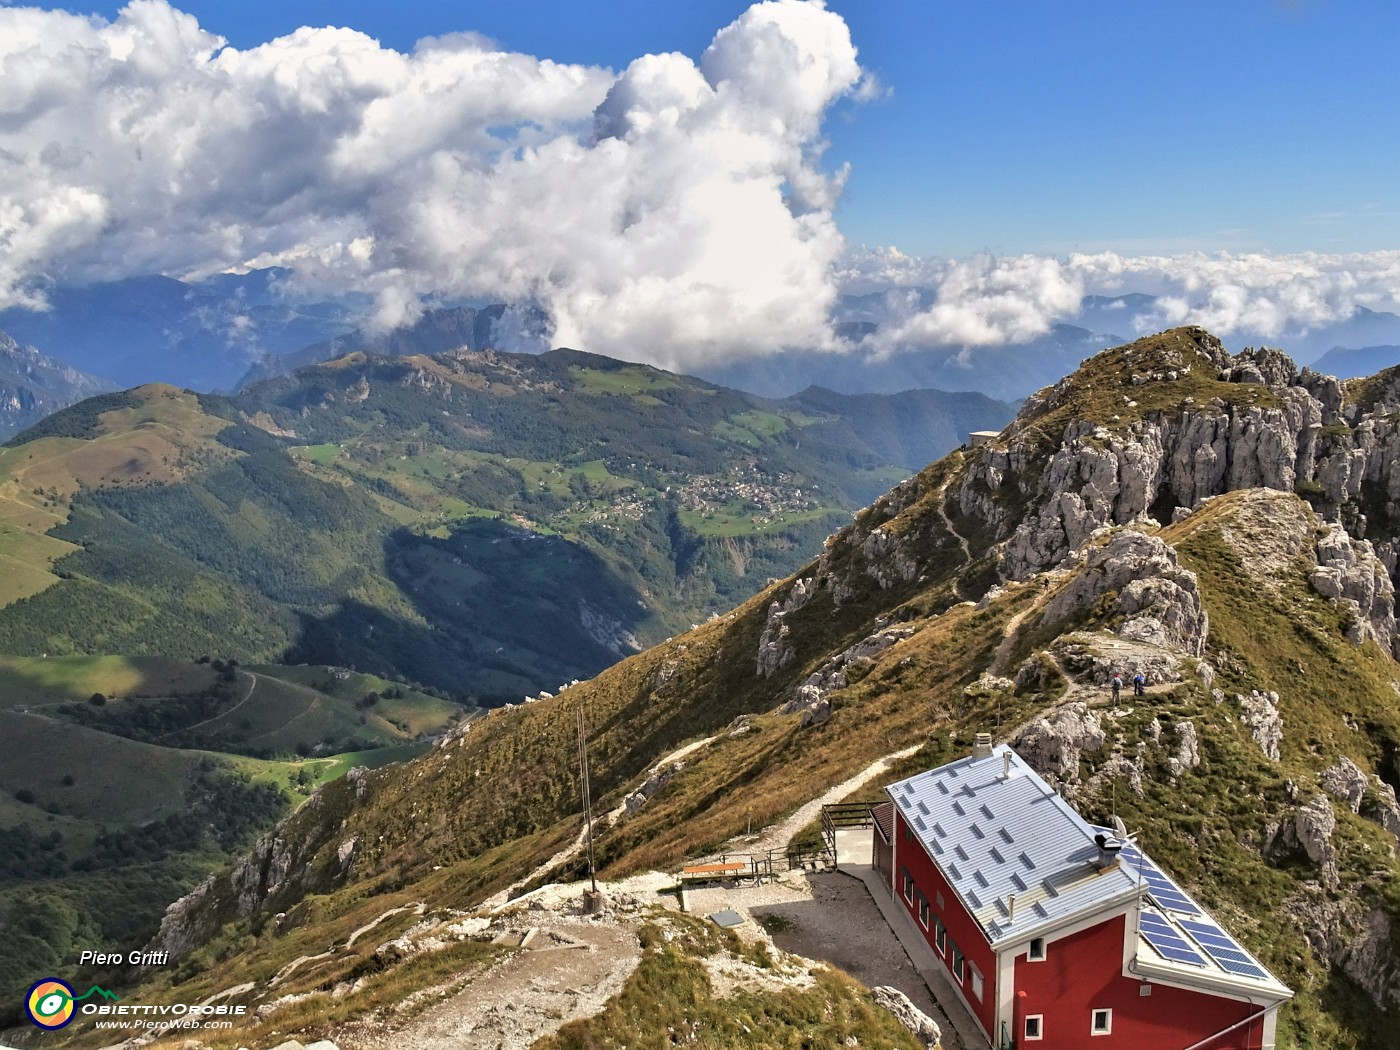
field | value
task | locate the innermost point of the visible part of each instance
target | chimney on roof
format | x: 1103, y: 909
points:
x: 1006, y: 764
x: 982, y: 746
x: 1108, y: 846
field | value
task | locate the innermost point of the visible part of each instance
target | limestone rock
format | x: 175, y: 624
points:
x: 1349, y: 573
x: 359, y: 776
x: 1268, y: 530
x: 1310, y: 830
x: 1188, y: 753
x: 1344, y: 780
x: 1098, y: 657
x: 923, y: 1027
x: 1260, y: 716
x: 810, y: 697
x: 774, y: 650
x: 658, y: 779
x: 1355, y: 940
x: 1148, y: 585
x: 989, y: 684
x: 1052, y: 745
x: 1386, y: 811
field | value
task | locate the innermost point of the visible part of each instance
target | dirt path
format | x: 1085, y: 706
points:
x: 527, y: 995
x: 247, y: 696
x: 841, y: 925
x: 778, y: 836
x: 1008, y: 633
x: 1094, y: 696
x: 948, y: 524
x: 286, y: 971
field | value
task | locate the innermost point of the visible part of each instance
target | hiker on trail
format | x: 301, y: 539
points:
x: 1138, y: 682
x: 1117, y: 687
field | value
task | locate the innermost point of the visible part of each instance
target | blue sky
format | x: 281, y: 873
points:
x: 693, y: 181
x: 1026, y: 126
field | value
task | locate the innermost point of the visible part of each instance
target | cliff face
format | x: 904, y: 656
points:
x: 1175, y: 421
x: 33, y: 385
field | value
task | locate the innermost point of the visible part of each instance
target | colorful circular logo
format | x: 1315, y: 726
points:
x: 50, y: 1004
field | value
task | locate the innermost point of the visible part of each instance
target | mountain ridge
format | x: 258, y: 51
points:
x: 33, y: 385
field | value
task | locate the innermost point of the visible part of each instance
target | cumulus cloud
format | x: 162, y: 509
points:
x: 986, y: 301
x: 675, y: 211
x: 1256, y: 294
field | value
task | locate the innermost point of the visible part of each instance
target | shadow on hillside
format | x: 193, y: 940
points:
x: 505, y: 612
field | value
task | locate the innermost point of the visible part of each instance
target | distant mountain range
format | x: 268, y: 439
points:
x: 1005, y: 372
x: 489, y: 524
x: 230, y: 330
x: 435, y: 332
x: 1345, y: 363
x: 33, y: 385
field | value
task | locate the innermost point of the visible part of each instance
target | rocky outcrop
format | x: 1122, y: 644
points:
x: 1357, y: 941
x: 649, y: 787
x: 1259, y: 713
x: 774, y: 649
x: 923, y: 1027
x: 1188, y: 751
x: 811, y: 697
x: 607, y: 631
x: 1145, y: 584
x: 1349, y: 574
x: 1386, y: 809
x: 1097, y: 657
x: 1344, y: 780
x: 1052, y: 745
x: 1269, y: 531
x: 1308, y: 831
x: 1045, y: 500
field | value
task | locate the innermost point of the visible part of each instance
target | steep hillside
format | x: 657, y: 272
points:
x: 32, y: 386
x: 1221, y: 523
x: 490, y: 524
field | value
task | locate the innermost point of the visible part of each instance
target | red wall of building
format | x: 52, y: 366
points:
x: 1084, y: 972
x: 962, y: 927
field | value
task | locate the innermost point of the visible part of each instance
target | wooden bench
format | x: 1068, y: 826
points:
x: 715, y: 872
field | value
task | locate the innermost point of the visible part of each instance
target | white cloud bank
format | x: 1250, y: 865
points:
x: 986, y: 301
x: 677, y: 212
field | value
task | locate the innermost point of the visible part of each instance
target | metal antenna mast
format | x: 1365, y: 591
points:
x: 587, y: 796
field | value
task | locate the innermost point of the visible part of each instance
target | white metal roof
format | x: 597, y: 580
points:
x: 998, y: 831
x: 998, y: 836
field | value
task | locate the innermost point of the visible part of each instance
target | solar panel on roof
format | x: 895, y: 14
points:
x: 1162, y: 889
x: 1166, y: 941
x: 1224, y: 949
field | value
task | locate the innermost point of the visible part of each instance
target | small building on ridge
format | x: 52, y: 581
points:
x: 1057, y: 934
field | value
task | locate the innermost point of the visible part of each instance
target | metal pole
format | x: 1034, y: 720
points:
x: 587, y: 796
